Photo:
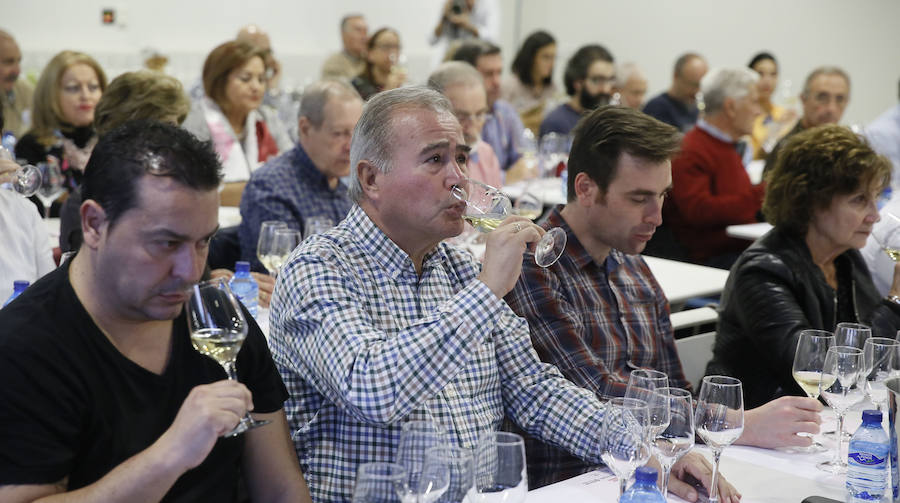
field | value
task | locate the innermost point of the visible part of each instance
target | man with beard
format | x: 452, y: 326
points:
x: 15, y: 93
x: 590, y: 76
x: 464, y: 87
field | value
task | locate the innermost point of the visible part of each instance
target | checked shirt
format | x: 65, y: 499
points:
x: 364, y: 344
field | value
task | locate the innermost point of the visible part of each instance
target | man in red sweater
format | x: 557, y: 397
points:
x: 710, y: 186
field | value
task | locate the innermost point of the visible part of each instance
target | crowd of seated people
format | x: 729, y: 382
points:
x: 382, y: 320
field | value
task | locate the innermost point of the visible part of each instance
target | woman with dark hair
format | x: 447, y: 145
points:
x: 531, y: 86
x: 775, y: 121
x: 382, y: 71
x: 807, y: 272
x: 244, y: 132
x: 63, y: 115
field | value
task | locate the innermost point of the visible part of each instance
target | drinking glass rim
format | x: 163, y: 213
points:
x: 678, y: 392
x: 418, y: 425
x: 383, y: 470
x: 502, y: 438
x: 721, y: 380
x: 815, y: 332
x: 852, y: 325
x: 878, y: 340
x: 650, y: 373
x: 456, y: 452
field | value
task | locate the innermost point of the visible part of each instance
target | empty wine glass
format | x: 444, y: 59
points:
x: 447, y: 475
x: 851, y: 334
x: 218, y: 329
x: 26, y: 179
x: 416, y: 437
x: 809, y: 360
x: 530, y: 204
x: 623, y: 437
x: 642, y: 385
x: 844, y: 363
x: 316, y: 225
x: 887, y: 234
x: 381, y: 483
x: 51, y: 184
x: 879, y: 363
x: 264, y: 245
x: 283, y: 243
x: 678, y: 437
x: 500, y: 469
x: 554, y: 153
x: 487, y: 208
x: 719, y: 419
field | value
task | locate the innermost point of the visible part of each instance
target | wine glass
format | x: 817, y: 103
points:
x: 719, y: 419
x: 530, y: 204
x: 316, y: 225
x: 879, y: 363
x: 416, y: 437
x: 642, y: 385
x: 887, y: 235
x: 51, y: 184
x: 447, y: 475
x: 500, y: 469
x: 851, y: 334
x: 264, y: 244
x: 623, y: 437
x: 26, y: 179
x: 809, y: 359
x: 844, y: 363
x: 283, y: 243
x: 487, y: 207
x: 678, y: 437
x: 381, y: 483
x: 554, y: 153
x: 218, y: 329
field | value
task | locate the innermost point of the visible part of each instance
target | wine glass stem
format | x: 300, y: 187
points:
x: 836, y: 461
x: 230, y: 370
x: 667, y: 470
x: 714, y: 487
x: 622, y: 482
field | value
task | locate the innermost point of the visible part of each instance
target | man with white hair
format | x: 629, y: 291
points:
x: 15, y: 93
x: 630, y: 85
x: 464, y: 87
x: 350, y: 61
x: 711, y: 189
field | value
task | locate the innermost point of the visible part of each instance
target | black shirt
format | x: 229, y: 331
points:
x: 73, y: 405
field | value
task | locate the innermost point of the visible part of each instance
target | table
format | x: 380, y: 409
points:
x: 751, y: 232
x: 549, y: 190
x: 761, y: 475
x: 681, y: 281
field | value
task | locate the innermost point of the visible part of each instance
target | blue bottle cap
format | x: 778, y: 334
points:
x: 645, y: 474
x: 20, y: 284
x: 871, y: 415
x: 242, y: 266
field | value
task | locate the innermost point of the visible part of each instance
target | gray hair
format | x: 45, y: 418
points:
x: 722, y: 83
x: 373, y: 133
x: 317, y: 94
x: 454, y: 73
x: 824, y: 70
x: 625, y: 71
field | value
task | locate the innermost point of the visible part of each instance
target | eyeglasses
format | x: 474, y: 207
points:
x: 467, y: 116
x: 599, y: 80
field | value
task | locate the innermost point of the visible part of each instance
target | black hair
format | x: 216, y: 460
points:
x: 143, y: 147
x: 470, y: 50
x: 524, y: 62
x: 762, y: 56
x: 581, y: 61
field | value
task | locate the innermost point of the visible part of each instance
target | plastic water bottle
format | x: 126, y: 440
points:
x: 644, y: 489
x: 867, y: 460
x: 8, y: 141
x: 244, y: 286
x: 19, y: 286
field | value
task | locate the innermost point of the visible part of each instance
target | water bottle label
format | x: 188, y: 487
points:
x: 867, y: 458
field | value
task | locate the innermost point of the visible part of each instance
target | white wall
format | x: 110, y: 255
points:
x: 859, y: 36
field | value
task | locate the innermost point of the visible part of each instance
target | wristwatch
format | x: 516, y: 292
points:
x: 893, y: 298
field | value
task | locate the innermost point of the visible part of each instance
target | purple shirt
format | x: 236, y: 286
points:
x: 502, y: 131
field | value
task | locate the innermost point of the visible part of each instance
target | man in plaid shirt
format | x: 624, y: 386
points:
x: 378, y: 321
x: 599, y: 313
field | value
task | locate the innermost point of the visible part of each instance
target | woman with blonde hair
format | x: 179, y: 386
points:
x: 65, y: 98
x: 244, y: 132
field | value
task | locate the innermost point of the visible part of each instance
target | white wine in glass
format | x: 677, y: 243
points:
x: 845, y: 363
x: 719, y: 419
x: 809, y: 358
x: 218, y: 329
x: 264, y: 244
x: 887, y: 235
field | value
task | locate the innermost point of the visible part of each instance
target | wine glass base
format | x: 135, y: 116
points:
x: 835, y: 468
x: 246, y: 424
x: 814, y: 448
x: 550, y: 247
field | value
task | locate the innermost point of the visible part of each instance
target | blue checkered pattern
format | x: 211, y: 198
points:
x: 288, y: 188
x: 364, y: 344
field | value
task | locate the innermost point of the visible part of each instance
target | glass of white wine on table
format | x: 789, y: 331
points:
x: 487, y: 208
x: 264, y: 245
x: 809, y: 360
x: 719, y: 419
x: 218, y: 329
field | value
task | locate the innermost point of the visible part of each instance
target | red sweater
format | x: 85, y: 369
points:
x: 710, y: 191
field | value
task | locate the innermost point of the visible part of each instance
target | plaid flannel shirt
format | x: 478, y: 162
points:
x: 596, y: 323
x: 364, y: 343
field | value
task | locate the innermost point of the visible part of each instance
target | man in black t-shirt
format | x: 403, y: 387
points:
x: 103, y: 397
